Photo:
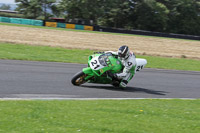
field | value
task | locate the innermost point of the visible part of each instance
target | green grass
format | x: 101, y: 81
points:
x: 43, y: 53
x: 56, y: 54
x: 172, y: 63
x: 100, y: 116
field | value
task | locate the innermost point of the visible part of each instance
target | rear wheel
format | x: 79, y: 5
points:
x: 79, y: 79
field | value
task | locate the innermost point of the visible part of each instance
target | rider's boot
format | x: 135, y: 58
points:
x: 123, y: 83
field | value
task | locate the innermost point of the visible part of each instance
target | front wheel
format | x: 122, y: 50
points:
x: 79, y: 79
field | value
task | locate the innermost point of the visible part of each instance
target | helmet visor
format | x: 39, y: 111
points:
x: 122, y: 52
x: 121, y: 55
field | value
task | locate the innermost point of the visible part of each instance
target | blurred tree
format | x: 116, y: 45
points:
x: 117, y: 13
x: 35, y: 8
x: 177, y: 16
x: 150, y: 15
x: 185, y: 17
x: 29, y: 8
x: 82, y: 9
x: 5, y: 7
x: 48, y: 4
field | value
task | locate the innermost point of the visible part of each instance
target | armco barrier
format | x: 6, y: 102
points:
x: 61, y: 25
x: 88, y: 28
x: 15, y: 20
x: 79, y: 27
x: 146, y: 33
x: 70, y: 26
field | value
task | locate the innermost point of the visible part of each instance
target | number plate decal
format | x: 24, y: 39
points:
x: 95, y: 64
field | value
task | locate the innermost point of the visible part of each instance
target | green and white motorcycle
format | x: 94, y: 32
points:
x: 99, y: 67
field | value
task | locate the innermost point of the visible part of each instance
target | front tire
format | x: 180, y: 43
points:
x: 79, y: 79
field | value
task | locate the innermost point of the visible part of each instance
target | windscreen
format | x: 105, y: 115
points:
x: 103, y: 59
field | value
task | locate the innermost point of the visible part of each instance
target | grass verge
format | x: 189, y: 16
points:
x: 43, y: 53
x: 56, y: 54
x: 100, y: 116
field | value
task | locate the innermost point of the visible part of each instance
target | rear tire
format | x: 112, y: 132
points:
x: 79, y: 79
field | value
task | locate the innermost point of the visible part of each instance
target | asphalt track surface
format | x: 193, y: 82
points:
x: 32, y: 79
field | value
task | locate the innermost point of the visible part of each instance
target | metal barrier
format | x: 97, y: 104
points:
x: 146, y: 33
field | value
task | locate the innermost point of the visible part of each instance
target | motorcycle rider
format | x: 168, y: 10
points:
x: 128, y: 60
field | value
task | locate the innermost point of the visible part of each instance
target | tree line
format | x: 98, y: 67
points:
x: 5, y: 7
x: 169, y: 16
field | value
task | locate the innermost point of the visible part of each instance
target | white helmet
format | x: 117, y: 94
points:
x: 123, y: 52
